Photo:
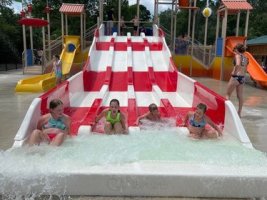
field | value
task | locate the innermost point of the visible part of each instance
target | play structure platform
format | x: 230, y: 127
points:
x: 136, y: 70
x: 44, y: 82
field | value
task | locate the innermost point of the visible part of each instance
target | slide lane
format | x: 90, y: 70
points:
x: 137, y: 71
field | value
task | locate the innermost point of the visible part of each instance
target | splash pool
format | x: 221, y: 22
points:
x: 159, y: 161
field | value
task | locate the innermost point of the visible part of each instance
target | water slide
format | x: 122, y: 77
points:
x: 257, y: 74
x: 44, y: 82
x: 137, y: 70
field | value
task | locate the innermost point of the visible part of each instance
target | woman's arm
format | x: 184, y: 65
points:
x: 237, y: 64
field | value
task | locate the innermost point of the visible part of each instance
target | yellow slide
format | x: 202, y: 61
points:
x: 45, y: 82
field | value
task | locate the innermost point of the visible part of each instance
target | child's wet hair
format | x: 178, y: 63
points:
x: 202, y: 106
x: 152, y: 107
x: 55, y: 103
x: 115, y: 101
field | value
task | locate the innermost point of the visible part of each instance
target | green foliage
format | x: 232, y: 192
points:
x: 10, y: 36
x: 11, y: 31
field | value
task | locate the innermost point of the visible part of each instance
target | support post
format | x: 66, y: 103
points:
x: 237, y: 24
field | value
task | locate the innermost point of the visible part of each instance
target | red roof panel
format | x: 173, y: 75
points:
x: 72, y: 9
x: 237, y: 4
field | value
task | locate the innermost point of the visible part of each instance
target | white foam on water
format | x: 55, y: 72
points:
x: 155, y: 142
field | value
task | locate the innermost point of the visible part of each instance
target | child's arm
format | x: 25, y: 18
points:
x: 213, y: 125
x: 123, y: 123
x: 141, y: 117
x: 102, y: 114
x: 186, y: 119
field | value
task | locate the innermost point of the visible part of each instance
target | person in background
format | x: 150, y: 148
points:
x: 122, y: 25
x: 115, y: 120
x: 153, y: 114
x: 57, y: 69
x: 135, y: 21
x: 237, y: 79
x: 52, y: 127
x: 111, y: 18
x: 196, y: 122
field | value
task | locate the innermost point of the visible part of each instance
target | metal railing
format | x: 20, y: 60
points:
x: 202, y: 54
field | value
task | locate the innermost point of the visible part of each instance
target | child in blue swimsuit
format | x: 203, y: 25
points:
x: 57, y: 69
x: 52, y: 127
x: 115, y: 120
x: 197, y: 121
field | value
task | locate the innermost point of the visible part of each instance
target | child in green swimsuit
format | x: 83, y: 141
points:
x: 115, y: 120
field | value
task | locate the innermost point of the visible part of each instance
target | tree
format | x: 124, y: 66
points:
x: 10, y: 36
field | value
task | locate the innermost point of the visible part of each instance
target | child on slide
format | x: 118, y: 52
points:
x: 153, y: 114
x: 197, y: 123
x: 115, y: 120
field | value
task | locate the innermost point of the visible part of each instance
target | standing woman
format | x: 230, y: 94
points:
x: 57, y: 68
x: 237, y: 79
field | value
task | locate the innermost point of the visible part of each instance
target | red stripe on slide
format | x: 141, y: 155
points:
x: 119, y: 81
x: 215, y: 103
x: 102, y: 46
x: 142, y: 81
x: 167, y: 81
x: 138, y: 46
x: 93, y: 81
x: 132, y: 112
x: 120, y: 46
x: 155, y: 46
x: 130, y: 76
x: 108, y: 75
x: 151, y: 75
x: 168, y: 108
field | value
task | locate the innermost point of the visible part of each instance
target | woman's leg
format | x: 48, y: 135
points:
x: 230, y: 88
x: 239, y: 94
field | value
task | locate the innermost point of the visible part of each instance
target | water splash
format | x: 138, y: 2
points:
x: 36, y: 168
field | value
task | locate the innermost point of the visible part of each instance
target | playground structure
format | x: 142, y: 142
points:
x: 216, y: 61
x: 138, y: 70
x: 72, y: 55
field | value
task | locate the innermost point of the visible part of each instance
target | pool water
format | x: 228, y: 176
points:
x: 158, y: 142
x: 24, y: 168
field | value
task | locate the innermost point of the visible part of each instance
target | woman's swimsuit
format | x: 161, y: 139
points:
x: 54, y: 123
x: 111, y: 120
x: 194, y: 123
x: 244, y: 62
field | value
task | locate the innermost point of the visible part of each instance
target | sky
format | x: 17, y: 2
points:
x: 16, y: 6
x: 149, y: 4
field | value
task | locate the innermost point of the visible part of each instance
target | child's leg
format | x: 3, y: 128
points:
x: 35, y: 137
x: 108, y: 128
x: 210, y: 132
x: 58, y: 140
x: 118, y: 128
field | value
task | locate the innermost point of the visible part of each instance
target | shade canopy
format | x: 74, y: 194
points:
x: 34, y: 22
